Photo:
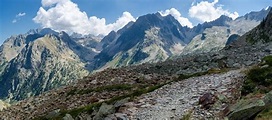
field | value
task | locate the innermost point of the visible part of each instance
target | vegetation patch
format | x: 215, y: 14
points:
x: 187, y: 116
x: 133, y: 90
x: 115, y: 87
x: 259, y: 78
x: 95, y: 106
x: 208, y: 72
x: 265, y: 114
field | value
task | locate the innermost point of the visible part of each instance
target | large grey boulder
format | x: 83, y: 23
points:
x: 104, y: 110
x: 68, y: 117
x: 53, y: 114
x: 249, y: 108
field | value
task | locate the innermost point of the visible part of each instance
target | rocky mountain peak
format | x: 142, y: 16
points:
x: 42, y: 32
x: 256, y: 15
x: 151, y: 29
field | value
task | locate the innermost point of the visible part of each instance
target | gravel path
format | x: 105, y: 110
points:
x: 175, y: 100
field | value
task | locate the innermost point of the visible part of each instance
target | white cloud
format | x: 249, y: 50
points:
x: 206, y: 11
x: 48, y: 3
x: 64, y: 15
x: 18, y: 17
x: 176, y: 14
x: 21, y: 14
x: 14, y: 21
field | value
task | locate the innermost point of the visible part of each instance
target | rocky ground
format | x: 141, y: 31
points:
x: 178, y: 99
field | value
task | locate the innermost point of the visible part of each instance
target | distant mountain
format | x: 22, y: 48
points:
x: 154, y: 38
x: 39, y: 61
x: 151, y: 38
x: 214, y: 35
x: 257, y: 15
x: 259, y: 35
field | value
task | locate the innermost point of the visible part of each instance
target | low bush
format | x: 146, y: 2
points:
x: 259, y: 78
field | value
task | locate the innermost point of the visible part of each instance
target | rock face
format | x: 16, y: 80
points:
x: 39, y: 62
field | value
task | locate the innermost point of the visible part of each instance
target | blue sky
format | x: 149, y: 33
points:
x: 101, y: 16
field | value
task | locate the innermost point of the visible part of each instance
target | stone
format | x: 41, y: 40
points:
x: 236, y: 65
x: 268, y: 99
x: 121, y: 116
x: 247, y: 63
x: 207, y: 100
x: 68, y: 117
x: 246, y: 109
x: 120, y: 103
x: 222, y: 98
x: 103, y: 111
x: 53, y: 114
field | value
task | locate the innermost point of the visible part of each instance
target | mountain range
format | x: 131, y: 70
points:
x: 232, y: 83
x: 43, y: 59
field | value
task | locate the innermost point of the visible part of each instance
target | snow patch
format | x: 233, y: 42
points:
x: 95, y: 50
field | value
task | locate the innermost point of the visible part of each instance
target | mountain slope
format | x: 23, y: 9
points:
x: 39, y: 64
x: 216, y: 36
x: 150, y: 35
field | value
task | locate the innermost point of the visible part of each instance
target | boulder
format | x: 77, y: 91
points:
x: 121, y: 102
x: 121, y: 116
x: 246, y: 109
x: 68, y: 117
x: 53, y: 114
x: 207, y: 100
x: 268, y: 99
x: 103, y: 111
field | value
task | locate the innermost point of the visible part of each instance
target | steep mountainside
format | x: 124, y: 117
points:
x: 151, y: 38
x: 37, y: 62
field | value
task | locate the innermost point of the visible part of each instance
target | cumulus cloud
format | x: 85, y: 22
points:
x: 64, y: 15
x: 48, y: 3
x: 176, y: 14
x: 18, y: 17
x: 209, y: 11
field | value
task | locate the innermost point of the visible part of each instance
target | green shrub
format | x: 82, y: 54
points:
x: 268, y: 60
x: 265, y: 114
x: 259, y: 78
